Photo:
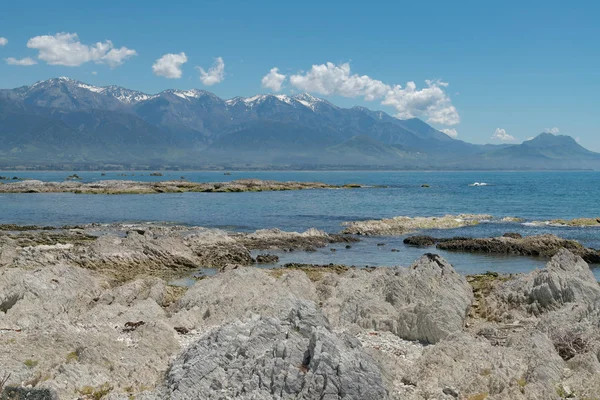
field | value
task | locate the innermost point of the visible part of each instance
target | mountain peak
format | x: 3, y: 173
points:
x: 550, y: 138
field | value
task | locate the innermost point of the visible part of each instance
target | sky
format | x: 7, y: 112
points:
x: 483, y: 72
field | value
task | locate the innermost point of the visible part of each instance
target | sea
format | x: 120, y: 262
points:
x: 532, y: 196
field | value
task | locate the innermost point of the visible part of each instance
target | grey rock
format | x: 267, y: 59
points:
x: 21, y: 393
x: 425, y: 302
x: 267, y: 358
x: 236, y: 293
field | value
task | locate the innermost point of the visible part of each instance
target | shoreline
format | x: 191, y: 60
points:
x: 93, y: 306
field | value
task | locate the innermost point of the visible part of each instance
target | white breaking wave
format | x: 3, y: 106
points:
x: 479, y: 184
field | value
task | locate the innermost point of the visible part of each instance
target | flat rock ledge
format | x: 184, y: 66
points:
x: 176, y: 186
x: 402, y: 225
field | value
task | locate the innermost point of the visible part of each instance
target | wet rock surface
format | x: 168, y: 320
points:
x: 509, y: 243
x: 138, y: 187
x: 266, y: 259
x: 537, y: 246
x: 98, y: 319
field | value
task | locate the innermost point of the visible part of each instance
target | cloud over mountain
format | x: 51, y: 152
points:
x: 431, y: 102
x: 169, y: 65
x: 330, y: 79
x: 273, y: 80
x: 66, y: 49
x: 215, y: 74
x: 500, y: 134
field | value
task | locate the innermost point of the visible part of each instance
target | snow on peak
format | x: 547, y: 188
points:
x: 284, y: 98
x: 308, y: 97
x: 249, y: 102
x: 127, y: 96
x: 91, y: 88
x: 308, y: 100
x: 255, y: 99
x: 188, y: 94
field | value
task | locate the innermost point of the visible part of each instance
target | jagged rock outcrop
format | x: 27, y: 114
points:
x: 467, y: 367
x: 239, y: 292
x: 269, y: 358
x: 567, y: 279
x: 425, y: 302
x: 64, y: 328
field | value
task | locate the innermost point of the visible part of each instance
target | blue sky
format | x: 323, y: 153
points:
x: 513, y: 69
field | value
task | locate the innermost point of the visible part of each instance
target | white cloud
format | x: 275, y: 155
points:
x: 554, y: 131
x: 94, y: 73
x: 431, y: 102
x: 3, y: 41
x: 169, y: 65
x: 273, y: 80
x: 450, y: 132
x: 330, y: 79
x: 66, y: 49
x: 500, y: 134
x: 115, y: 57
x: 23, y: 62
x: 215, y: 74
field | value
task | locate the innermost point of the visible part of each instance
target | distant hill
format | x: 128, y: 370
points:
x: 66, y: 121
x: 544, y: 151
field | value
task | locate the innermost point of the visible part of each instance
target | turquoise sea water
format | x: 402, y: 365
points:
x: 539, y: 196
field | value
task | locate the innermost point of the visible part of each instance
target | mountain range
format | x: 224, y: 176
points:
x: 64, y: 121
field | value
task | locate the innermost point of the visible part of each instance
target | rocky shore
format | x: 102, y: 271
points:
x: 180, y: 186
x: 88, y: 313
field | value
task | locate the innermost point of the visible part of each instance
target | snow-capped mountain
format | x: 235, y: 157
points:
x: 64, y: 92
x: 299, y: 100
x: 66, y: 120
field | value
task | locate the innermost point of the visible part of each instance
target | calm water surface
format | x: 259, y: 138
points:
x: 539, y: 196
